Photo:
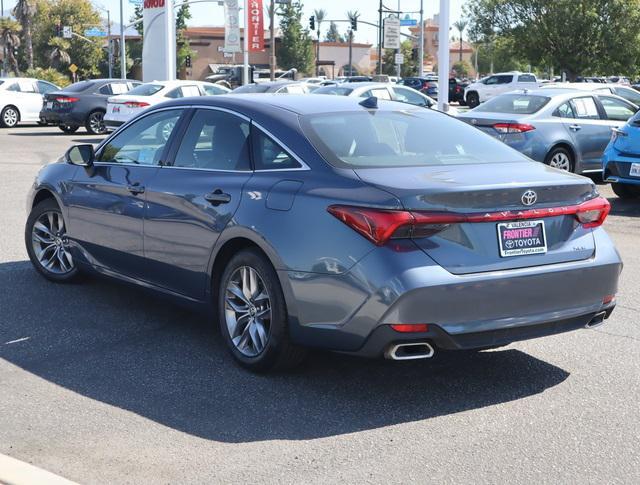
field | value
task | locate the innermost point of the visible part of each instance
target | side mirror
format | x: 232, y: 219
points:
x: 82, y: 155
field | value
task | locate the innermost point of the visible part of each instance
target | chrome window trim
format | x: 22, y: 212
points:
x: 303, y: 166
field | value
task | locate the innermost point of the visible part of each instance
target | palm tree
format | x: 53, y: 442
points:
x: 24, y: 12
x: 460, y: 25
x: 10, y: 40
x: 59, y: 54
x: 320, y: 15
x: 352, y: 15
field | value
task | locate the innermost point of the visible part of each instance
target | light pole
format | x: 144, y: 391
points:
x: 123, y: 54
x: 245, y: 38
x: 443, y: 55
x: 421, y: 46
x: 109, y: 43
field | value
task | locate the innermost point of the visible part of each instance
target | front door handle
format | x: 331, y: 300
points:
x: 217, y: 197
x: 575, y: 127
x: 136, y: 188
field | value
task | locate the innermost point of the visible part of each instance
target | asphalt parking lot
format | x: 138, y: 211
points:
x: 105, y: 383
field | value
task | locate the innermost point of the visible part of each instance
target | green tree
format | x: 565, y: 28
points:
x: 296, y: 48
x: 577, y: 36
x: 462, y: 68
x: 182, y: 42
x: 460, y: 25
x: 137, y: 15
x: 10, y: 40
x: 59, y: 53
x: 24, y: 12
x: 49, y: 74
x: 408, y: 68
x: 79, y: 15
x: 333, y: 35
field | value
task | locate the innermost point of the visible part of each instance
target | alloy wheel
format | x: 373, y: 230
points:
x: 247, y: 311
x: 560, y: 160
x: 50, y: 244
x: 96, y: 123
x: 10, y: 117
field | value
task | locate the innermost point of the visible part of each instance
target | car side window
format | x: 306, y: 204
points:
x: 212, y: 90
x: 215, y: 140
x: 45, y: 87
x: 119, y: 88
x: 143, y: 142
x: 629, y: 94
x: 405, y: 95
x: 526, y: 78
x: 491, y: 80
x: 269, y: 155
x: 616, y: 109
x: 565, y: 110
x: 174, y: 93
x: 106, y: 89
x: 380, y: 93
x: 585, y: 108
x: 505, y: 79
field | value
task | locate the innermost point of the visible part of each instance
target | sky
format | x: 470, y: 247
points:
x: 211, y: 14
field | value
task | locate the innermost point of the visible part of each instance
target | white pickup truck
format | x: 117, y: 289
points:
x: 496, y: 84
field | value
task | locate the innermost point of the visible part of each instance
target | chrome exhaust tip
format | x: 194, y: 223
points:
x: 410, y: 351
x: 597, y: 320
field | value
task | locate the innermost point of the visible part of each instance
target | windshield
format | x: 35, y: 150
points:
x: 373, y: 139
x: 80, y: 86
x: 146, y: 90
x: 513, y: 104
x: 251, y: 88
x: 339, y: 90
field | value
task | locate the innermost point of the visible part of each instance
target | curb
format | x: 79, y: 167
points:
x: 16, y: 472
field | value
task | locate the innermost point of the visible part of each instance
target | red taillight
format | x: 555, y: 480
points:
x: 513, y: 127
x: 66, y: 99
x: 380, y: 225
x: 608, y: 299
x: 410, y: 327
x: 136, y: 104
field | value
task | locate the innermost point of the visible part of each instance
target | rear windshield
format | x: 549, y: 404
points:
x: 514, y: 104
x: 252, y: 88
x: 374, y: 139
x: 146, y: 89
x: 78, y: 87
x: 340, y: 91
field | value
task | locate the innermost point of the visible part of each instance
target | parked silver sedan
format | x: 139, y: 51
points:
x: 565, y: 129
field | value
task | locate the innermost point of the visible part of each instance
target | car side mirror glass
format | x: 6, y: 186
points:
x: 82, y: 155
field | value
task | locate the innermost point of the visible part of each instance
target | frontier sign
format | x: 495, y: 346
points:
x: 159, y: 41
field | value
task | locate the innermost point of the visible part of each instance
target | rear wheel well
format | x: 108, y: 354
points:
x: 44, y: 194
x: 566, y: 147
x: 224, y: 255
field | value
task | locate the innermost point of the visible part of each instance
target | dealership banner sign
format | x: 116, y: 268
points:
x: 255, y: 24
x: 159, y: 41
x: 231, y: 26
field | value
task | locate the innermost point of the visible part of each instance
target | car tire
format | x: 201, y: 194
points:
x: 9, y: 117
x: 95, y: 123
x: 163, y: 131
x: 45, y: 239
x: 248, y: 292
x: 626, y: 191
x: 560, y: 158
x: 69, y: 130
x: 473, y: 99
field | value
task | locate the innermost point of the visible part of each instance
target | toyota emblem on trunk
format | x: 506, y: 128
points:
x: 529, y: 197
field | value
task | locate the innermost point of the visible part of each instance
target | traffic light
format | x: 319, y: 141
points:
x: 58, y: 30
x: 414, y: 54
x: 354, y: 23
x: 187, y: 61
x: 312, y: 22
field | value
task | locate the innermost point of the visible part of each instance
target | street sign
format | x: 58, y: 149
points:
x: 95, y: 32
x: 399, y: 59
x: 391, y: 33
x: 408, y: 22
x: 136, y: 2
x: 73, y: 68
x: 66, y: 32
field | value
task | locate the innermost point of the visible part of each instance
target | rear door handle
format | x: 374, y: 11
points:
x: 217, y: 197
x: 136, y: 188
x: 575, y: 127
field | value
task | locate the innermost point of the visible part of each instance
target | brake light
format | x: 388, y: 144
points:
x: 67, y: 99
x: 513, y: 127
x: 608, y: 299
x: 381, y: 225
x: 135, y: 104
x: 410, y: 327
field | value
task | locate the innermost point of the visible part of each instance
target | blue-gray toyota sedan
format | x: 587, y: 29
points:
x: 366, y: 227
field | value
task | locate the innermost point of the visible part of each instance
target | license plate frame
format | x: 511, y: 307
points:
x: 521, y: 238
x: 49, y: 105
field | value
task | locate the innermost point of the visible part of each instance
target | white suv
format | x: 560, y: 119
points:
x: 491, y: 86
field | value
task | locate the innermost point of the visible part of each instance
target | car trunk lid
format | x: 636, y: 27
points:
x: 482, y: 189
x: 486, y: 122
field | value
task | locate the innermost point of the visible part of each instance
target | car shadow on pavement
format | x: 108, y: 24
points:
x: 124, y: 347
x: 624, y: 207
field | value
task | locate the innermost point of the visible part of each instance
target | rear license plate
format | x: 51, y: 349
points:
x: 49, y: 104
x: 521, y: 238
x: 634, y: 171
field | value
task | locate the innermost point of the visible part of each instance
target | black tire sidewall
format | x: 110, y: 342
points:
x: 2, y: 122
x: 36, y: 212
x: 473, y: 100
x: 278, y: 330
x: 88, y: 123
x: 626, y: 191
x: 552, y: 153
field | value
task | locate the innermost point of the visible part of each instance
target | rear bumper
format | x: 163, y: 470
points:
x: 112, y: 124
x: 345, y: 312
x: 61, y: 118
x: 616, y: 167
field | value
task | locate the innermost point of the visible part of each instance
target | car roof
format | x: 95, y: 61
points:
x: 561, y: 93
x: 301, y: 104
x: 584, y: 86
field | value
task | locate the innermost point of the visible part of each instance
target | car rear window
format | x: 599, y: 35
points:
x: 514, y: 104
x: 375, y: 139
x: 526, y: 78
x: 251, y: 88
x: 337, y: 90
x: 146, y: 89
x: 79, y: 86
